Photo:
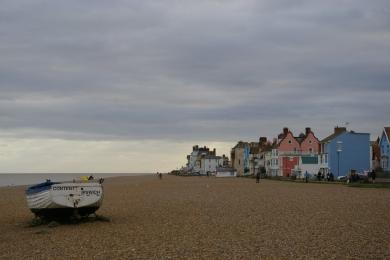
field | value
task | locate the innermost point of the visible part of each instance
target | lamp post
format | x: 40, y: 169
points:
x: 339, y: 147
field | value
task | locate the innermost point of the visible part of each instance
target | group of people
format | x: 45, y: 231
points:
x: 322, y: 176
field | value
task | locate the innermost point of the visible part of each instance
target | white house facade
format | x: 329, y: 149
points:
x: 209, y: 164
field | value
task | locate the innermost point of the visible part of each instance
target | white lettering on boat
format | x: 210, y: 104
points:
x: 90, y: 192
x: 75, y: 188
x: 64, y: 188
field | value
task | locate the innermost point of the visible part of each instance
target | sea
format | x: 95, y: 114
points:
x: 16, y: 179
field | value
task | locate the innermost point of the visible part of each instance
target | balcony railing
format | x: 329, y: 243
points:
x: 296, y: 153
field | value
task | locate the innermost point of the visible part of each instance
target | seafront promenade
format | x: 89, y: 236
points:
x: 208, y: 218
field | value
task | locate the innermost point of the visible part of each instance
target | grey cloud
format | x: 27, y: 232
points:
x: 191, y: 70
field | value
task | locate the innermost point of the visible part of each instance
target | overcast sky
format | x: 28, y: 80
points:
x: 130, y: 86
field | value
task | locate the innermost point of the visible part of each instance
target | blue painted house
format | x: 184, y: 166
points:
x: 240, y: 158
x: 384, y: 148
x: 246, y: 161
x: 345, y: 150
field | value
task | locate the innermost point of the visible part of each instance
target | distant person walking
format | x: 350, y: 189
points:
x: 257, y: 177
x: 160, y: 176
x: 306, y: 176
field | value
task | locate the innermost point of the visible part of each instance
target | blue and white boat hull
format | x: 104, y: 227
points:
x: 65, y: 198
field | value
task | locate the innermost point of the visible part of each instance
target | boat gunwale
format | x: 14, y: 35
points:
x: 37, y: 188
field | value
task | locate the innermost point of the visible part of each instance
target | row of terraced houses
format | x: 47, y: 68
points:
x: 289, y: 155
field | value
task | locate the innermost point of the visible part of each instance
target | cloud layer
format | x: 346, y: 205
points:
x: 192, y: 70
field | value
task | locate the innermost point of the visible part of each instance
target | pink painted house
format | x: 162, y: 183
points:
x: 288, y: 149
x: 291, y: 149
x: 287, y: 142
x: 310, y: 144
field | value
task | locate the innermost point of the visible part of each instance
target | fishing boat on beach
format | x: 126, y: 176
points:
x: 61, y: 199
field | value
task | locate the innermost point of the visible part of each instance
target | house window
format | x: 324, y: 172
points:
x: 385, y: 163
x: 239, y: 162
x: 311, y: 150
x: 289, y: 141
x: 309, y: 141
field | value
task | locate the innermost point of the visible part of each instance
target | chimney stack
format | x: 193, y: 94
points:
x: 338, y: 130
x: 285, y: 130
x: 308, y: 130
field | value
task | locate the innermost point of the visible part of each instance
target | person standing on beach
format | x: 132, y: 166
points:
x: 331, y: 177
x: 373, y: 176
x: 306, y: 176
x: 258, y: 177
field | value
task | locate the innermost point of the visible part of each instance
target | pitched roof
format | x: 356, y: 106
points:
x: 307, y: 135
x: 284, y: 136
x: 300, y: 139
x: 387, y: 131
x: 337, y: 132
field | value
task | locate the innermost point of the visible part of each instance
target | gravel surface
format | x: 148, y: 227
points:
x: 208, y: 218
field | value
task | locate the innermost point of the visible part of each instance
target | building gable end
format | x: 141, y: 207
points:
x: 386, y: 132
x: 288, y: 143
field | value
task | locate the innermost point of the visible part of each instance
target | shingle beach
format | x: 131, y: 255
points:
x: 208, y: 218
